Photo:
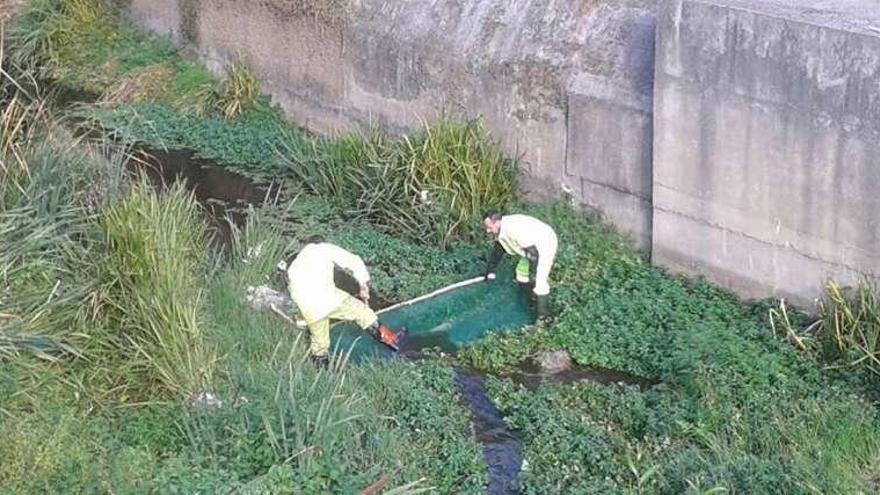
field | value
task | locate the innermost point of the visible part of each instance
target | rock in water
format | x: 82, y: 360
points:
x: 552, y: 362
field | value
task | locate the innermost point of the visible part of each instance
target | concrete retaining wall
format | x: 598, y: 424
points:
x: 767, y: 119
x: 745, y: 154
x: 566, y: 83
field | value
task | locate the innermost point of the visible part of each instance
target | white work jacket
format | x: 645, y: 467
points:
x: 522, y: 231
x: 310, y: 278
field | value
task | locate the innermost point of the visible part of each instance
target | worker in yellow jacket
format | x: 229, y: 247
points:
x: 311, y: 285
x: 534, y: 242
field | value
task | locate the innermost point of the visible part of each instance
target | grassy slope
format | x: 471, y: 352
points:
x: 299, y: 430
x: 74, y: 426
x: 739, y: 409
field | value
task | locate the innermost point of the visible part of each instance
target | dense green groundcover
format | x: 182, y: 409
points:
x: 101, y: 423
x: 738, y: 409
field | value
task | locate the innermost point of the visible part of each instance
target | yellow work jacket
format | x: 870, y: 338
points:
x: 522, y: 231
x: 310, y: 278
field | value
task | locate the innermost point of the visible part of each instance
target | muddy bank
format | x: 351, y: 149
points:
x: 529, y: 375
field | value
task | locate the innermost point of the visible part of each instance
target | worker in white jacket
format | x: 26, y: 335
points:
x: 534, y: 242
x: 311, y: 285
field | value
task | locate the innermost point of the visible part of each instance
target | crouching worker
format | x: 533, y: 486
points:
x: 535, y: 243
x: 311, y: 285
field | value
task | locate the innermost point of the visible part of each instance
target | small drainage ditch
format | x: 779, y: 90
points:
x: 225, y: 193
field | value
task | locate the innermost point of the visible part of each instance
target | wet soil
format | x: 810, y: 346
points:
x: 530, y: 376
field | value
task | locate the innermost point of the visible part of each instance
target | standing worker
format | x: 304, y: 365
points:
x: 535, y: 243
x: 311, y: 285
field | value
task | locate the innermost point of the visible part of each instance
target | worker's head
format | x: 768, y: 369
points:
x: 313, y: 239
x: 492, y: 222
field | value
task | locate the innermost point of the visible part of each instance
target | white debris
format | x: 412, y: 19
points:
x: 264, y: 297
x: 253, y: 253
x: 207, y: 399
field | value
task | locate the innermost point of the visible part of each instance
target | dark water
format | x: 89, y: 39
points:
x: 502, y: 450
x: 225, y: 194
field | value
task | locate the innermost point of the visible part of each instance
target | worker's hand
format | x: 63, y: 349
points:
x: 364, y: 293
x: 489, y: 276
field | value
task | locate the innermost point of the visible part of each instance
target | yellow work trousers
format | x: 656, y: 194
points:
x: 542, y: 271
x: 349, y: 309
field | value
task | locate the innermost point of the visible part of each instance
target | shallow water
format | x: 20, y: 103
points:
x: 221, y: 192
x: 502, y: 450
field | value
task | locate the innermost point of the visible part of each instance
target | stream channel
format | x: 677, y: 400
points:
x: 224, y: 193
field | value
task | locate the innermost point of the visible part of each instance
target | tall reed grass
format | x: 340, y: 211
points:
x: 458, y: 170
x: 50, y: 35
x: 120, y: 285
x: 44, y: 229
x: 153, y: 281
x: 850, y: 324
x: 430, y: 187
x: 241, y: 91
x: 847, y: 332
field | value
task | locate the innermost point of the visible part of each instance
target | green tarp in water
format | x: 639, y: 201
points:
x: 447, y: 321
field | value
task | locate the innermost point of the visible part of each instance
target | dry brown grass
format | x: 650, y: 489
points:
x: 142, y: 84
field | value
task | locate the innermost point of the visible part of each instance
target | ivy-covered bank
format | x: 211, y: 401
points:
x: 746, y: 403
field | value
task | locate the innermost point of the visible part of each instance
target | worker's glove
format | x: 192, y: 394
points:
x: 492, y: 261
x: 364, y: 293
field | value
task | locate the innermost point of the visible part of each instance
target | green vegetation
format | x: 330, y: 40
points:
x: 738, y: 409
x: 847, y: 333
x: 116, y: 319
x: 152, y: 287
x: 430, y: 186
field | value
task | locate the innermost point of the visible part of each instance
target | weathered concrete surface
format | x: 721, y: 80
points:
x: 766, y: 121
x: 566, y: 83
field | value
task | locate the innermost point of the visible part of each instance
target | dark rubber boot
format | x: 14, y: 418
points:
x: 543, y: 303
x: 525, y: 291
x: 386, y: 336
x: 320, y: 362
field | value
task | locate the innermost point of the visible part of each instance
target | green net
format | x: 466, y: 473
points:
x: 446, y: 321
